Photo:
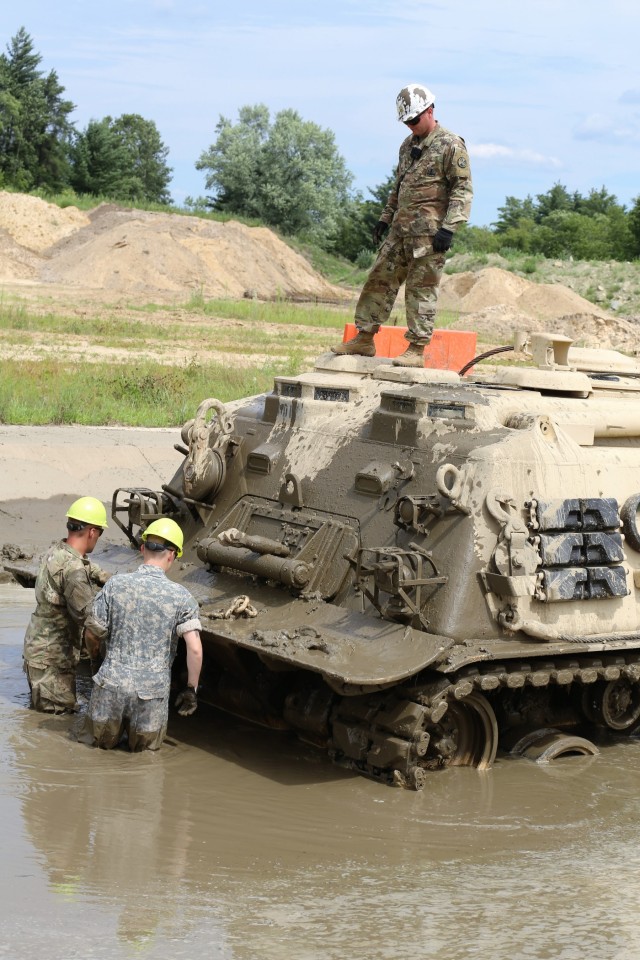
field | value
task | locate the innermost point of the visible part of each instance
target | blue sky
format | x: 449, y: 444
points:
x: 541, y: 90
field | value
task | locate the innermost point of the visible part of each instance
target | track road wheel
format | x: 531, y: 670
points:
x: 467, y: 735
x: 547, y: 744
x: 615, y: 704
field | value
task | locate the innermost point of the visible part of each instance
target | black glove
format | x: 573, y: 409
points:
x: 379, y: 231
x: 442, y: 240
x: 187, y: 702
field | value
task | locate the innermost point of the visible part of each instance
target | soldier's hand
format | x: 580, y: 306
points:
x: 379, y: 231
x: 442, y: 240
x: 186, y: 702
x: 100, y: 577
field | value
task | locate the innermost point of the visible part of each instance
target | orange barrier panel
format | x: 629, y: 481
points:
x: 448, y: 350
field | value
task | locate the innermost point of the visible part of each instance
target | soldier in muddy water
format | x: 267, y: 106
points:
x: 138, y: 618
x: 66, y: 584
x: 431, y: 199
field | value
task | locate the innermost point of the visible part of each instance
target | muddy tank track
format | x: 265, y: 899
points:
x: 397, y: 737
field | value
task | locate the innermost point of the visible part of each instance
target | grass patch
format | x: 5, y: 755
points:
x: 279, y: 312
x: 257, y: 331
x: 136, y: 395
x: 106, y: 330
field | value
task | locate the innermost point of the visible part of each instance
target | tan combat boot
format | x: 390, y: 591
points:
x: 412, y: 357
x: 362, y: 345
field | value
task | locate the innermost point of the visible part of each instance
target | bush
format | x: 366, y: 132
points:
x: 365, y: 258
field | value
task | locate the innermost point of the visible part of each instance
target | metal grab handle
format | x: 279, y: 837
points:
x: 265, y: 545
x: 292, y: 573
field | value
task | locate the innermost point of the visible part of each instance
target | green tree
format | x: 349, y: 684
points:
x: 598, y: 201
x: 621, y: 243
x: 558, y: 198
x: 147, y: 170
x: 513, y: 213
x: 123, y: 159
x: 99, y: 162
x: 286, y: 172
x: 633, y: 221
x: 560, y: 224
x: 35, y: 129
x: 358, y: 217
x: 479, y: 240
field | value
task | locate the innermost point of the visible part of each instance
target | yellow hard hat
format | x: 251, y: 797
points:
x: 167, y: 530
x: 88, y: 510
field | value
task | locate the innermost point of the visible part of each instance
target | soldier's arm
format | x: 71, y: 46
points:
x: 97, y: 574
x: 78, y: 594
x: 96, y: 628
x: 189, y: 628
x: 92, y: 643
x: 194, y: 657
x: 389, y: 211
x: 458, y: 174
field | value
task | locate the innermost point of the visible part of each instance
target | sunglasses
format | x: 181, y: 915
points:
x: 415, y: 120
x: 156, y: 547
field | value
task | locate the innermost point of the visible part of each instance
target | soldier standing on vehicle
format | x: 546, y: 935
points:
x: 65, y: 587
x: 138, y: 618
x: 431, y: 198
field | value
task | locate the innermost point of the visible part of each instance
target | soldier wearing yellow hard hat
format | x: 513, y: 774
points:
x: 66, y: 584
x: 138, y: 618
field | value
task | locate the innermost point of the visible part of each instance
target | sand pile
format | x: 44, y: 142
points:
x: 16, y: 262
x: 499, y: 323
x: 494, y: 302
x: 474, y: 292
x: 135, y: 252
x: 35, y: 224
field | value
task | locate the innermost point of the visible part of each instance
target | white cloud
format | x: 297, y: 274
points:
x: 497, y: 151
x: 599, y: 126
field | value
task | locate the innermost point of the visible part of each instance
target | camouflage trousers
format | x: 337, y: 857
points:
x: 52, y: 690
x: 408, y: 260
x: 114, y: 711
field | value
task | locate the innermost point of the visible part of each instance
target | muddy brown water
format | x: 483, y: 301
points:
x: 239, y: 843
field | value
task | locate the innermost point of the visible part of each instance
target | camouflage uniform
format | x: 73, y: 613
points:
x: 432, y: 191
x: 65, y: 587
x: 140, y: 615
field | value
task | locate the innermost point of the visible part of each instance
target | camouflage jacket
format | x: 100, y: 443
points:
x: 65, y: 587
x: 141, y: 615
x: 432, y: 191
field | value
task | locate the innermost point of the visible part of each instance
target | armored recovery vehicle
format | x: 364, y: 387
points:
x: 408, y: 567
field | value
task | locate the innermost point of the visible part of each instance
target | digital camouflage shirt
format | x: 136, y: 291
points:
x: 141, y: 615
x: 433, y: 190
x: 65, y: 587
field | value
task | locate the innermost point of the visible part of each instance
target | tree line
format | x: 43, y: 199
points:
x: 122, y: 158
x: 284, y: 171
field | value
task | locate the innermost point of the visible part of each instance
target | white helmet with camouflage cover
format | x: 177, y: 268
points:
x: 413, y: 100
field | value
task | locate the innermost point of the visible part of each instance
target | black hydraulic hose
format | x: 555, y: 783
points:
x: 483, y: 356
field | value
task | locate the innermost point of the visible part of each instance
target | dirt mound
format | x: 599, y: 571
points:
x: 495, y: 303
x: 35, y: 224
x: 138, y: 252
x: 474, y: 292
x: 498, y: 324
x: 147, y: 254
x: 16, y: 262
